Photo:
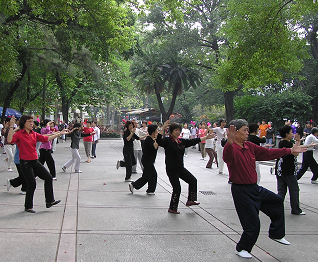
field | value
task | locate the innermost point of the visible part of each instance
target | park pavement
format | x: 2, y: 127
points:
x: 98, y: 218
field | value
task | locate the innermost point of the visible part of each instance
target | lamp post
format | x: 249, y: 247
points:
x: 162, y: 98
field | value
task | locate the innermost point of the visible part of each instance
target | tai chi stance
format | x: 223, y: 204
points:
x: 148, y: 160
x: 174, y: 151
x: 250, y: 198
x: 26, y: 140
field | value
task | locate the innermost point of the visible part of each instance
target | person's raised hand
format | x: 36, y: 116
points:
x: 12, y: 121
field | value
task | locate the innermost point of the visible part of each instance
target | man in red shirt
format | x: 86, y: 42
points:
x: 250, y: 198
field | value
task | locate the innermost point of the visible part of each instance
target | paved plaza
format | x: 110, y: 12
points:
x: 98, y: 218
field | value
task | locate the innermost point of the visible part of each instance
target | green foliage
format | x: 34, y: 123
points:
x: 290, y: 104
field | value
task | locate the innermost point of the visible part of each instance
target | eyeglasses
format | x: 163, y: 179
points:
x: 30, y: 121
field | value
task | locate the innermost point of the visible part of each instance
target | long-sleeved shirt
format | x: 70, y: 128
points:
x: 129, y: 143
x: 27, y: 143
x: 149, y: 152
x: 75, y: 138
x: 47, y: 145
x: 256, y: 140
x: 174, y: 150
x: 241, y: 160
x: 310, y: 139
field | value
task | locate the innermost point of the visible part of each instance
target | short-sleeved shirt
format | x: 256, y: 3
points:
x: 27, y: 143
x: 262, y: 129
x: 88, y: 131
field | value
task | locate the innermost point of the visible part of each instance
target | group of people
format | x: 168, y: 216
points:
x: 240, y: 151
x: 31, y: 146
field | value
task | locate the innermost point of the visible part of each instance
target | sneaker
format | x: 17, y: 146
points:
x: 23, y: 193
x: 220, y: 173
x: 128, y: 180
x: 131, y: 188
x: 314, y: 181
x: 282, y: 241
x: 8, y: 184
x: 54, y: 178
x: 151, y: 193
x: 64, y: 169
x: 118, y: 164
x: 10, y: 170
x: 243, y: 254
x: 300, y: 214
x: 78, y: 171
x: 48, y: 205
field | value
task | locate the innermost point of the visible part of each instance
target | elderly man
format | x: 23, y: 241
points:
x: 250, y: 198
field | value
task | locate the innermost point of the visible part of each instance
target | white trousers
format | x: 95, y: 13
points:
x: 10, y: 149
x: 138, y: 155
x: 219, y: 151
x: 76, y: 159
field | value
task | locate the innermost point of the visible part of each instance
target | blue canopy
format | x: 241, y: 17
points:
x: 11, y: 112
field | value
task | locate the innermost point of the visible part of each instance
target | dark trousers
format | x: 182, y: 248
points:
x: 212, y: 155
x: 129, y: 160
x: 149, y: 176
x: 94, y: 148
x: 18, y: 181
x: 174, y: 176
x: 291, y: 182
x: 30, y: 170
x: 248, y: 201
x: 308, y: 161
x: 46, y: 156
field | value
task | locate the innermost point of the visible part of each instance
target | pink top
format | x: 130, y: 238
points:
x: 47, y: 145
x: 202, y: 133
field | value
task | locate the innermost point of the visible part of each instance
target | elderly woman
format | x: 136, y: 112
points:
x: 174, y: 151
x: 26, y: 140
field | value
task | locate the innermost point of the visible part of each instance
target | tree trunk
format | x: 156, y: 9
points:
x: 229, y: 106
x: 43, y: 98
x: 108, y: 115
x: 12, y: 90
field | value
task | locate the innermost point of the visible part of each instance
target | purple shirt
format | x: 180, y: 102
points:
x: 47, y: 145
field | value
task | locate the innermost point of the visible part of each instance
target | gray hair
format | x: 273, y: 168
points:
x: 238, y: 123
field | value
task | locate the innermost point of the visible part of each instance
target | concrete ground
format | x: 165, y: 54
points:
x: 98, y: 218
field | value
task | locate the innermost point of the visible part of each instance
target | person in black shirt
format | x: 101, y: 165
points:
x: 149, y: 153
x: 174, y: 151
x: 128, y: 150
x: 286, y: 168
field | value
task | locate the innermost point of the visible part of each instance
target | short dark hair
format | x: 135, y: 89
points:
x: 283, y: 131
x: 77, y: 125
x: 128, y: 123
x: 7, y: 119
x: 36, y: 122
x: 23, y: 119
x: 252, y: 128
x: 314, y: 130
x: 174, y: 126
x: 89, y: 122
x: 152, y: 128
x: 44, y: 123
x: 222, y: 120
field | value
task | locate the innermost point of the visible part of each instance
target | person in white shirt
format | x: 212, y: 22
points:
x: 308, y: 157
x: 137, y: 146
x: 185, y: 134
x: 220, y: 133
x: 209, y: 148
x: 96, y: 137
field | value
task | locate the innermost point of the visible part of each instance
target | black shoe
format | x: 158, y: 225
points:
x: 29, y: 210
x: 48, y: 205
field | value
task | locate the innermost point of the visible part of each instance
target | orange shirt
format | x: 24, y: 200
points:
x: 262, y: 129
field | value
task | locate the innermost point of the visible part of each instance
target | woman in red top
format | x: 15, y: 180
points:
x: 26, y: 140
x: 88, y: 140
x: 203, y: 133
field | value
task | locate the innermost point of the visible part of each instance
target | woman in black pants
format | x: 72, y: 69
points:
x: 26, y: 140
x: 174, y: 151
x: 46, y: 148
x: 128, y: 150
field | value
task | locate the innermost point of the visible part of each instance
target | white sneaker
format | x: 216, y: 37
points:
x: 54, y: 178
x: 243, y: 254
x: 282, y: 241
x: 131, y: 188
x: 8, y: 184
x: 314, y: 181
x: 10, y: 170
x: 78, y: 171
x: 118, y: 164
x: 23, y: 193
x: 302, y: 213
x: 151, y: 193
